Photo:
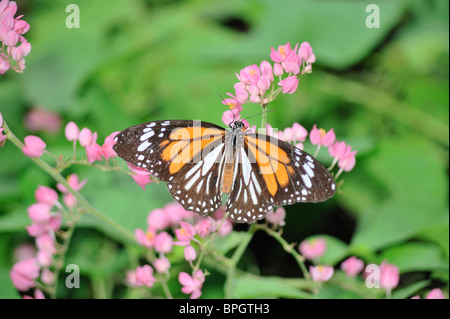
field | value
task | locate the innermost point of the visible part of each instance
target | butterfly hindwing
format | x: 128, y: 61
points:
x: 186, y: 154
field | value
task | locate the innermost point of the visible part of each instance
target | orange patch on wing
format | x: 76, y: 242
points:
x: 163, y: 143
x: 264, y: 164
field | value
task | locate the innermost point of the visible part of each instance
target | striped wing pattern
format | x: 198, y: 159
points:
x: 190, y: 156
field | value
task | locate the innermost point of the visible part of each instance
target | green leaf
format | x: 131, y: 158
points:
x: 410, y: 290
x: 268, y: 287
x: 407, y: 182
x: 416, y: 257
x: 228, y: 242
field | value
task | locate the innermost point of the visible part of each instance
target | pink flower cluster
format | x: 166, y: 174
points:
x: 256, y: 83
x: 46, y: 218
x: 187, y: 227
x: 88, y: 140
x: 295, y: 135
x: 14, y: 47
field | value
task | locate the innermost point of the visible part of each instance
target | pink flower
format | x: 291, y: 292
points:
x: 389, y: 276
x: 205, y: 227
x: 75, y: 184
x: 24, y: 251
x: 46, y: 195
x: 240, y: 92
x: 289, y: 84
x: 435, y: 293
x: 37, y: 229
x: 4, y: 65
x: 339, y: 150
x: 146, y: 239
x: 277, y: 217
x: 85, y: 137
x: 249, y: 75
x: 281, y: 53
x: 292, y: 63
x: 47, y: 243
x: 314, y: 248
x: 321, y: 137
x: 161, y: 264
x: 44, y: 258
x: 266, y: 70
x: 39, y: 213
x: 163, y: 243
x: 144, y: 276
x: 189, y: 253
x: 47, y: 276
x: 93, y: 150
x: 39, y: 119
x: 300, y: 133
x: 72, y: 131
x: 306, y: 53
x: 142, y: 177
x: 192, y: 285
x: 175, y: 213
x: 34, y: 146
x: 185, y: 233
x: 24, y: 273
x: 352, y: 266
x: 348, y: 163
x: 225, y: 228
x: 158, y: 219
x: 106, y: 150
x: 321, y: 273
x: 278, y: 69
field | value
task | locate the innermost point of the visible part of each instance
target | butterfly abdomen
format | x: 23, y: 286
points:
x: 227, y: 178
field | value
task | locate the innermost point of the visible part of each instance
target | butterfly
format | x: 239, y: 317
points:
x: 201, y: 162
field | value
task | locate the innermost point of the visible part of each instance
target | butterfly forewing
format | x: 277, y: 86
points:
x: 186, y: 154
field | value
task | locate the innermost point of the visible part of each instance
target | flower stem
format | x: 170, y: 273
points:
x: 288, y: 248
x: 231, y: 271
x: 57, y: 177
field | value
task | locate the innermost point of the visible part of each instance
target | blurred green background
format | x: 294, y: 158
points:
x: 384, y: 91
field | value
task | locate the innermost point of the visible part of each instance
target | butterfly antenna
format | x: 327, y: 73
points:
x: 258, y: 114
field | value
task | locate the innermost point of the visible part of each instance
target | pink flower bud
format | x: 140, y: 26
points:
x: 266, y: 70
x: 39, y: 213
x: 300, y: 132
x: 24, y: 273
x: 34, y: 146
x: 11, y: 38
x: 85, y: 137
x: 321, y: 273
x: 192, y: 285
x: 289, y: 84
x: 348, y: 163
x: 162, y: 264
x: 46, y: 195
x: 144, y: 276
x: 314, y: 248
x: 389, y: 276
x: 21, y: 26
x: 47, y: 276
x: 107, y: 148
x: 72, y: 131
x: 435, y: 293
x: 278, y: 69
x: 189, y: 253
x: 163, y: 243
x: 306, y: 53
x: 157, y: 218
x: 277, y: 217
x: 352, y: 266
